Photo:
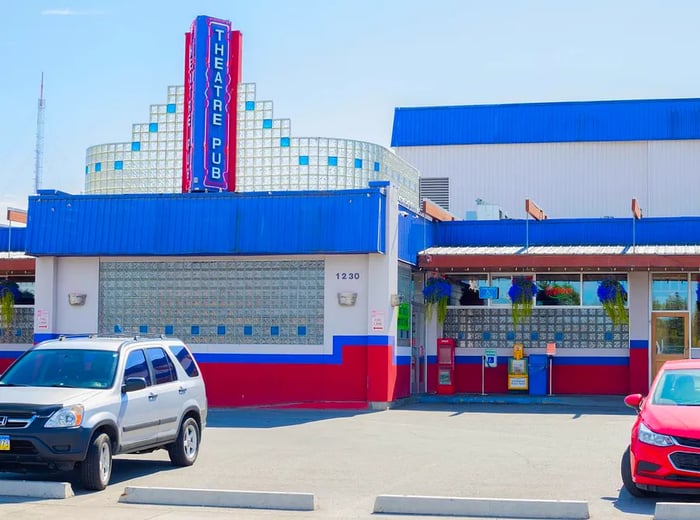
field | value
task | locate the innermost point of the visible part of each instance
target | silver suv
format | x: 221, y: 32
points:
x: 76, y: 402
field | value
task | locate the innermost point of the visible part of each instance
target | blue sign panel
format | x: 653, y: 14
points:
x: 488, y: 293
x: 212, y: 90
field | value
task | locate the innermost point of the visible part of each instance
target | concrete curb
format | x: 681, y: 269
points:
x: 676, y: 511
x: 219, y: 498
x: 35, y: 489
x: 481, y: 507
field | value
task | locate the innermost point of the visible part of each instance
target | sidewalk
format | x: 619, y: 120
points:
x: 597, y: 401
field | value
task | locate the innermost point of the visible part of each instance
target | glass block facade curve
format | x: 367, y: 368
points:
x: 268, y: 158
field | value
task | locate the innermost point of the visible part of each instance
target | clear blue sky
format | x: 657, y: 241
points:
x: 336, y: 68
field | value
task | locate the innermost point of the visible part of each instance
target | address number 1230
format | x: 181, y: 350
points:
x: 347, y: 276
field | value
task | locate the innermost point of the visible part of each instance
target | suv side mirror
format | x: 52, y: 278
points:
x: 133, y: 383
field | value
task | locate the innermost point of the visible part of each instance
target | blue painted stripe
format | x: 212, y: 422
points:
x: 402, y: 361
x: 11, y: 354
x: 639, y: 343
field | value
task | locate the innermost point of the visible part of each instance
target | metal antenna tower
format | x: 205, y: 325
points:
x: 39, y: 150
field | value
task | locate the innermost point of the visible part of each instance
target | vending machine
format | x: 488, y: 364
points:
x: 445, y: 366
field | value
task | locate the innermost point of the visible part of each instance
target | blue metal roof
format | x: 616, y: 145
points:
x: 273, y: 223
x: 626, y: 120
x: 569, y: 232
x: 12, y: 238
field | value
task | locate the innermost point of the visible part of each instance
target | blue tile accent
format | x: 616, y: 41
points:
x: 486, y: 336
x: 284, y: 141
x: 169, y: 329
x: 118, y: 165
x: 195, y: 330
x: 358, y: 163
x: 558, y: 336
x: 221, y: 330
x: 247, y: 330
x: 135, y: 146
x: 98, y: 167
x: 376, y: 166
x: 301, y: 330
x: 267, y: 123
x: 332, y: 160
x: 143, y: 329
x: 117, y: 329
x: 170, y: 108
x: 152, y: 127
x: 534, y: 336
x: 304, y: 160
x: 510, y: 335
x: 274, y: 330
x: 608, y: 335
x: 18, y: 332
x: 461, y: 335
x: 250, y: 105
x: 87, y: 170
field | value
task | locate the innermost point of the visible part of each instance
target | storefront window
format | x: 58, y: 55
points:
x: 591, y: 282
x: 23, y: 292
x: 466, y: 292
x: 558, y: 289
x: 669, y: 292
x: 503, y: 283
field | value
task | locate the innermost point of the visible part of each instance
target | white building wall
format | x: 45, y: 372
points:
x: 56, y: 278
x: 568, y: 180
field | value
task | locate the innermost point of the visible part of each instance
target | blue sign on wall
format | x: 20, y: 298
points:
x: 488, y: 293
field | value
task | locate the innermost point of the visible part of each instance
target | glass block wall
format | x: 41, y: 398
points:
x: 268, y: 158
x: 568, y: 328
x: 22, y: 327
x: 228, y: 302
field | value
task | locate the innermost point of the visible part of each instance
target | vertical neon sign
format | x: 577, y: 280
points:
x: 212, y: 75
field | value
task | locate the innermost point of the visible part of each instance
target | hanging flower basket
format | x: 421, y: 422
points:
x: 613, y: 297
x: 521, y: 293
x: 436, y: 293
x: 7, y: 308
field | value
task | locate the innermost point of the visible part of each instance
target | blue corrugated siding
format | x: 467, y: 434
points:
x: 628, y: 120
x: 12, y: 237
x: 207, y: 223
x: 415, y: 234
x: 569, y: 232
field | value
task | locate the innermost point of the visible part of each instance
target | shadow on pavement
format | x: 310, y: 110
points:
x: 273, y: 418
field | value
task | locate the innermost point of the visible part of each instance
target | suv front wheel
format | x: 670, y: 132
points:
x: 183, y: 452
x: 96, y: 469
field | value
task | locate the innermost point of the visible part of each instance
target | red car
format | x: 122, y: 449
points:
x: 664, y: 452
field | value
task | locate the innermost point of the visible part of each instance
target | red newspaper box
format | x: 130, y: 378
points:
x: 446, y: 366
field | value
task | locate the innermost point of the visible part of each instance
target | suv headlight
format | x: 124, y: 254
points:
x: 66, y: 417
x: 648, y: 436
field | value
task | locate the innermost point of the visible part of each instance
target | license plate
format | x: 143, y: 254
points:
x: 4, y: 443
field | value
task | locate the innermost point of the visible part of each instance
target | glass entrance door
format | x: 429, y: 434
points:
x: 418, y: 352
x: 669, y: 336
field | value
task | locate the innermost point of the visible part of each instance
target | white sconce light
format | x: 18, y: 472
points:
x: 76, y: 298
x: 347, y: 299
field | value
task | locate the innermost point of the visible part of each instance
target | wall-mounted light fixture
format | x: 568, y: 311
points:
x: 76, y: 298
x: 347, y: 299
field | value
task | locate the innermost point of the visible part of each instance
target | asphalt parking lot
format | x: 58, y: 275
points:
x: 566, y: 451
